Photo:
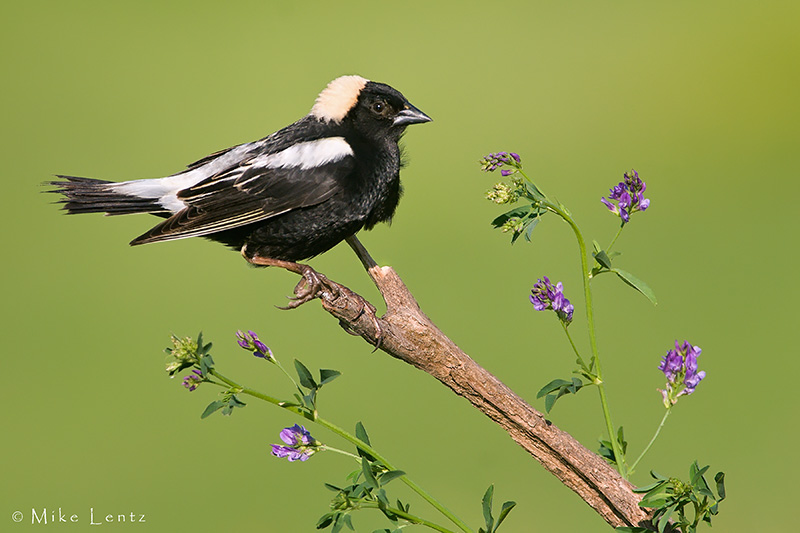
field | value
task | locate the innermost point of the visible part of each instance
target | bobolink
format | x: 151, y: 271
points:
x: 287, y: 197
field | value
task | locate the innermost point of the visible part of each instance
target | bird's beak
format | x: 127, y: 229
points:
x: 410, y: 115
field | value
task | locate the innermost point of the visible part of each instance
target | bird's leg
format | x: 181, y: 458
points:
x: 370, y: 265
x: 313, y: 285
x: 309, y: 287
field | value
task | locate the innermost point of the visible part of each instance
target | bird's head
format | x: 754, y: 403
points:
x: 369, y: 106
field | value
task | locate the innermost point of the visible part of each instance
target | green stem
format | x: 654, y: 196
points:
x: 619, y: 231
x: 288, y: 375
x: 337, y: 450
x: 587, y: 292
x: 655, y: 436
x: 416, y: 488
x: 575, y: 348
x: 350, y: 438
x: 417, y: 520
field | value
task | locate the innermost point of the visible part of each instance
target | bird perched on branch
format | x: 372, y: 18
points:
x: 285, y: 198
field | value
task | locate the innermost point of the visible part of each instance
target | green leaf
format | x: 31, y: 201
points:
x: 663, y: 520
x: 637, y: 284
x: 627, y: 529
x: 720, y: 480
x: 603, y: 259
x: 558, y: 388
x: 383, y: 501
x: 206, y: 364
x: 306, y: 380
x: 657, y: 497
x: 487, y: 508
x: 391, y: 475
x: 327, y: 375
x: 534, y: 192
x: 553, y: 386
x: 517, y: 212
x: 656, y: 475
x: 361, y: 433
x: 507, y: 507
x: 648, y: 488
x: 325, y: 520
x: 549, y: 402
x: 366, y: 469
x: 348, y: 521
x: 212, y: 408
x: 334, y: 488
x: 530, y: 227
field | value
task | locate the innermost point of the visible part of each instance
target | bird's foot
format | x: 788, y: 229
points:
x: 312, y: 285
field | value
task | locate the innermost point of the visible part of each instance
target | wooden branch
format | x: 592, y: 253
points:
x: 406, y: 333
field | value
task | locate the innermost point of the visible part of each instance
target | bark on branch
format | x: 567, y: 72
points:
x: 406, y: 333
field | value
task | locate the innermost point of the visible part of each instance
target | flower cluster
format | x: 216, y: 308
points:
x: 301, y: 445
x: 545, y: 295
x: 680, y: 368
x: 183, y: 354
x: 629, y: 195
x: 193, y: 380
x: 492, y: 162
x: 249, y: 341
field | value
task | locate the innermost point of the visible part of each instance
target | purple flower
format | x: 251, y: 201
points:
x: 492, y: 162
x: 193, y: 380
x: 545, y: 295
x: 680, y: 368
x: 301, y: 445
x: 629, y: 195
x: 249, y: 341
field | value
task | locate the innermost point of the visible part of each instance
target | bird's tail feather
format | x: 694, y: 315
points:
x: 89, y: 195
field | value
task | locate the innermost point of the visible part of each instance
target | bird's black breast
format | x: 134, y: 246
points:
x: 365, y: 196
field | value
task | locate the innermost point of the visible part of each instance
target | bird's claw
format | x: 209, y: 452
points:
x: 311, y: 285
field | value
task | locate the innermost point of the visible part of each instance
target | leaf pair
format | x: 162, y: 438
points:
x: 493, y: 524
x: 604, y: 265
x: 558, y: 388
x: 307, y: 381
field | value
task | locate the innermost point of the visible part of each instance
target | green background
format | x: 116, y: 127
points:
x: 700, y: 97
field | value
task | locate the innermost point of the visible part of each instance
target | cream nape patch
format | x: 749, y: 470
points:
x: 338, y: 98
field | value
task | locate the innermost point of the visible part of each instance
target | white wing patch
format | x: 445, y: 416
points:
x: 304, y: 155
x: 308, y: 154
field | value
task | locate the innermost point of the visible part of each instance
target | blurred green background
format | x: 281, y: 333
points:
x: 700, y: 97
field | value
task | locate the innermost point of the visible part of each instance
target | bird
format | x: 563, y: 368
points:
x: 282, y: 199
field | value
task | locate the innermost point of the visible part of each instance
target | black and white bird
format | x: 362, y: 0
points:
x: 285, y: 198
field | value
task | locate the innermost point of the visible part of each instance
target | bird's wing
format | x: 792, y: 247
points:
x: 264, y: 186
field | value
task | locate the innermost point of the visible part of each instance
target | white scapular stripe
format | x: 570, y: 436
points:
x: 306, y: 155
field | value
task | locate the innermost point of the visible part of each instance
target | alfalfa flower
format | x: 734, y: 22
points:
x: 300, y: 444
x: 249, y: 341
x: 545, y: 295
x: 680, y: 368
x: 492, y: 162
x: 629, y: 195
x: 194, y: 379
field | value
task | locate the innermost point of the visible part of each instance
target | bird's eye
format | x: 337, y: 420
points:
x: 378, y: 107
